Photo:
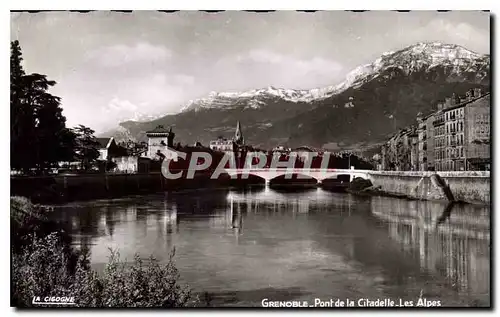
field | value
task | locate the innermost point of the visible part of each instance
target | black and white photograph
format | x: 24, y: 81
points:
x: 328, y: 159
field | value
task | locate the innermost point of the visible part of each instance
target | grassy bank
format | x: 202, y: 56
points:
x: 44, y: 264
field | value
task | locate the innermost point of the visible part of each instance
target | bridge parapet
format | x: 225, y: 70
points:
x: 319, y: 174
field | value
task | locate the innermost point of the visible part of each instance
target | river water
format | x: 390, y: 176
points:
x: 242, y: 246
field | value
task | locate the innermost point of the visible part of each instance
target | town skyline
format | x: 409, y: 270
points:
x: 141, y: 70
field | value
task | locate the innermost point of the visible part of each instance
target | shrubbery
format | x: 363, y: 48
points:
x: 358, y: 184
x: 44, y: 264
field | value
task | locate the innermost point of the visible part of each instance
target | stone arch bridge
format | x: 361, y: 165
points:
x: 319, y: 174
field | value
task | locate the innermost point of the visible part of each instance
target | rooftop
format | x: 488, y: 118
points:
x: 465, y: 102
x: 104, y: 142
x: 160, y: 129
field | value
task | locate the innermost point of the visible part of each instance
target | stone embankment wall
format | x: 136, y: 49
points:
x: 61, y: 189
x: 470, y: 186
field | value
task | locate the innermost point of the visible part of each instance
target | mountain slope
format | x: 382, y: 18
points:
x: 373, y: 101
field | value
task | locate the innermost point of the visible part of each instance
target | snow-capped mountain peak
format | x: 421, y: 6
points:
x: 414, y: 58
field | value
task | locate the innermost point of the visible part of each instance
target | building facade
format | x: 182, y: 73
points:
x: 456, y: 137
x: 454, y: 126
x: 131, y: 164
x: 477, y: 133
x: 107, y: 148
x: 400, y: 153
x: 422, y: 143
x: 439, y: 138
x: 229, y: 145
x: 222, y: 145
x: 161, y: 144
x: 429, y: 140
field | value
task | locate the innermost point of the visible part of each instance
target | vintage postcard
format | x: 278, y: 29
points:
x: 283, y: 159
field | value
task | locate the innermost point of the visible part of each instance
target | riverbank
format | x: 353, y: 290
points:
x: 461, y: 187
x: 62, y: 189
x: 468, y: 187
x: 68, y: 276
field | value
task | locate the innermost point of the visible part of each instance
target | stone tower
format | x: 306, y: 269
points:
x: 170, y: 138
x: 238, y: 135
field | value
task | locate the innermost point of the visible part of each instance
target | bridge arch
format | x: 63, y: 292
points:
x: 233, y: 173
x: 304, y: 177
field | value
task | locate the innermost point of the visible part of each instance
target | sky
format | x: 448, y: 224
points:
x: 113, y: 66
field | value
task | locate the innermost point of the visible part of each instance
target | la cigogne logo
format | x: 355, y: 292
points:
x: 53, y: 300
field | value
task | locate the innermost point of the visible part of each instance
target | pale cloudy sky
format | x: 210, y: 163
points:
x: 110, y: 66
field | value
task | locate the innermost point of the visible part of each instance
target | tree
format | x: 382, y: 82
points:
x: 22, y: 118
x: 39, y: 137
x: 53, y: 141
x: 86, y: 150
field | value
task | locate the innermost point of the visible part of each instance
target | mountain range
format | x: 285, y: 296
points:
x: 373, y: 102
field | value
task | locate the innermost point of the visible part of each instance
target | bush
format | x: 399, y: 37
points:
x: 41, y: 270
x: 45, y: 264
x: 46, y: 270
x: 25, y: 221
x: 28, y: 221
x: 149, y: 284
x: 358, y: 184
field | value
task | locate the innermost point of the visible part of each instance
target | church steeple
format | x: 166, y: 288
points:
x: 238, y: 135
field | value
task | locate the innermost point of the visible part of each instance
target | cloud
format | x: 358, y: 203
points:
x: 458, y: 33
x: 119, y: 55
x: 316, y: 65
x: 184, y: 79
x: 462, y: 30
x: 119, y: 105
x: 138, y: 96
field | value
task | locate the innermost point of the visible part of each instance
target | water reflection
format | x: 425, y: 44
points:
x: 451, y: 240
x: 233, y: 243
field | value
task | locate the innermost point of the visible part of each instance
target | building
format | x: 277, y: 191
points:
x: 280, y: 149
x: 383, y: 157
x: 429, y: 143
x: 107, y: 148
x: 477, y: 131
x: 456, y: 137
x: 222, y: 145
x: 305, y: 150
x: 425, y: 142
x: 454, y: 128
x: 238, y: 139
x: 229, y: 145
x: 401, y: 153
x: 466, y: 127
x: 132, y: 164
x: 413, y: 144
x: 439, y: 138
x: 161, y: 144
x: 239, y: 147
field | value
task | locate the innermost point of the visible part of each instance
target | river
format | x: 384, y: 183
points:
x: 242, y: 246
